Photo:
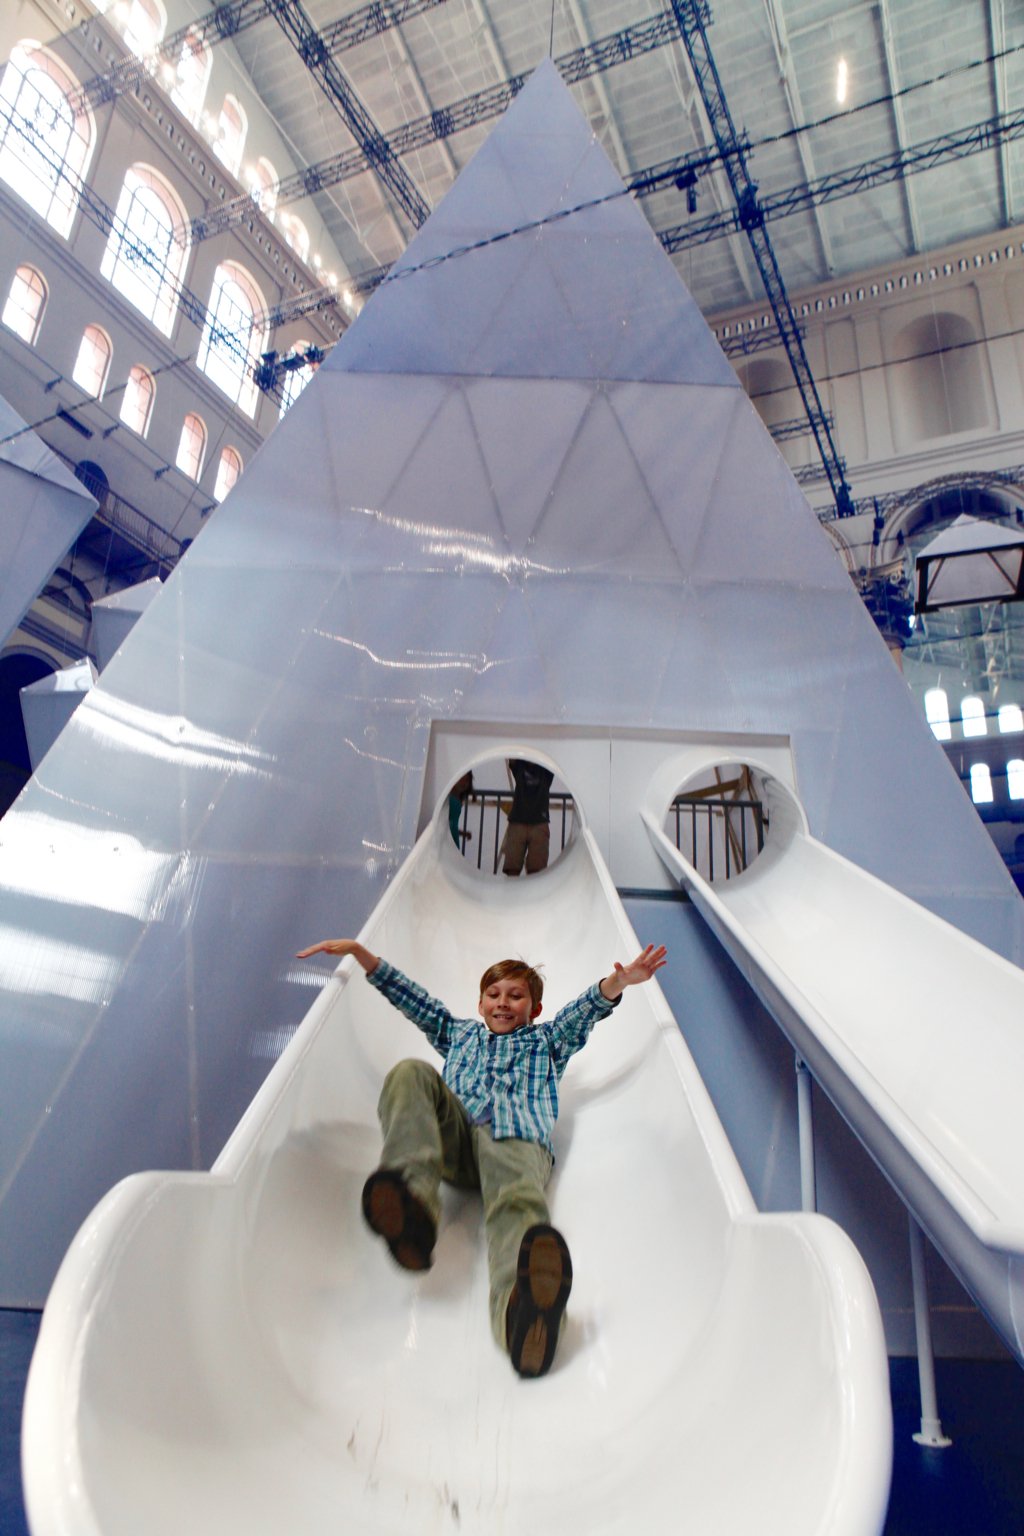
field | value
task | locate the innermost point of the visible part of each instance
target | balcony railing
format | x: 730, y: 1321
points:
x: 723, y: 834
x: 128, y: 521
x: 485, y: 817
x: 719, y: 837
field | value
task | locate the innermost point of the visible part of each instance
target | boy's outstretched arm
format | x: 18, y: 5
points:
x: 430, y: 1016
x: 342, y: 947
x: 642, y: 969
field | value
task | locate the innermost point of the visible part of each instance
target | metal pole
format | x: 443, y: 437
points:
x: 805, y: 1123
x: 930, y: 1432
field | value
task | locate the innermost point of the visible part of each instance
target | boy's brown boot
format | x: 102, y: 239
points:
x: 394, y: 1213
x: 537, y: 1302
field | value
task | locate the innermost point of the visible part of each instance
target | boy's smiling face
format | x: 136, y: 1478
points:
x: 507, y: 1005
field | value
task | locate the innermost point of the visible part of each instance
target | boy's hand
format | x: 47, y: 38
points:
x: 341, y: 947
x: 642, y: 969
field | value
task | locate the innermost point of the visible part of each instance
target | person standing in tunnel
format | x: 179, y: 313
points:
x: 528, y: 834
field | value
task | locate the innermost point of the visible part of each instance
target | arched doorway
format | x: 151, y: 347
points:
x: 17, y: 670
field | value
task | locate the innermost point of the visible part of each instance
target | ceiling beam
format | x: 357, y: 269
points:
x: 889, y: 49
x: 896, y: 166
x: 997, y: 33
x: 227, y: 21
x: 784, y: 59
x: 699, y: 230
x: 715, y: 182
x: 393, y: 178
x: 579, y: 64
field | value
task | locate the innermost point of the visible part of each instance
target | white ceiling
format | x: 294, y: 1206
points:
x: 777, y: 61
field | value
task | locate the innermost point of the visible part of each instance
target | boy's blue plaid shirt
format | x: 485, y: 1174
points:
x: 510, y: 1081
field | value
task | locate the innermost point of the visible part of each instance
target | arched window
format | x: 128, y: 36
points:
x: 1015, y: 778
x: 144, y: 26
x: 235, y: 335
x: 23, y: 312
x: 972, y: 713
x: 93, y: 362
x: 146, y: 252
x: 192, y: 75
x: 940, y: 379
x: 232, y: 127
x: 45, y: 142
x: 192, y: 446
x: 296, y: 234
x: 936, y: 709
x: 296, y: 379
x: 137, y: 404
x: 228, y: 471
x: 1011, y: 718
x: 263, y: 181
x: 981, y: 784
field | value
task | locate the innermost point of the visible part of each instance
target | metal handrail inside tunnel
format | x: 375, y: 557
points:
x: 729, y: 816
x: 479, y: 814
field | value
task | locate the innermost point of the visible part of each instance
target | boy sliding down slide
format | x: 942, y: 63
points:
x: 485, y: 1124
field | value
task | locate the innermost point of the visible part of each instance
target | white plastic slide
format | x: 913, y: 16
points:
x: 915, y: 1031
x: 234, y: 1353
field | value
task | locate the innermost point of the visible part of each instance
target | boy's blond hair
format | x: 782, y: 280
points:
x: 502, y: 969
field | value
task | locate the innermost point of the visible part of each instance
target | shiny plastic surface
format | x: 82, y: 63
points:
x: 114, y: 617
x: 564, y: 543
x: 47, y: 706
x: 43, y: 509
x: 918, y: 1041
x: 235, y: 1353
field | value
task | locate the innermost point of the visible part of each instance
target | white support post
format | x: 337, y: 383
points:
x: 930, y: 1432
x: 805, y: 1123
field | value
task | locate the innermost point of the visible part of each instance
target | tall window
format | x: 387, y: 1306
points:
x: 936, y: 709
x: 1011, y: 718
x: 228, y: 471
x: 144, y: 26
x: 296, y: 234
x: 192, y: 446
x: 263, y: 181
x: 192, y: 75
x: 981, y: 784
x: 972, y: 713
x: 296, y: 379
x: 45, y: 142
x: 137, y: 404
x: 93, y: 362
x: 1015, y: 778
x: 23, y: 312
x: 143, y: 259
x: 231, y: 130
x: 235, y: 335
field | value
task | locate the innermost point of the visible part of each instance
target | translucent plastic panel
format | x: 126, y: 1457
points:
x: 114, y: 617
x: 47, y: 706
x: 499, y: 283
x: 44, y: 511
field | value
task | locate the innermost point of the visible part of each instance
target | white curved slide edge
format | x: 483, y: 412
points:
x: 914, y: 1030
x: 234, y: 1352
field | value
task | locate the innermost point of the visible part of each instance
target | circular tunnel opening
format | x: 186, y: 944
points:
x: 511, y: 817
x: 719, y: 819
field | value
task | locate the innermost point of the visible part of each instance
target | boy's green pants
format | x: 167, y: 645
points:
x: 428, y: 1136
